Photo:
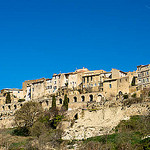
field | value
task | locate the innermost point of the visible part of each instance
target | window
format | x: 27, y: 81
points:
x: 91, y: 84
x: 83, y: 80
x: 87, y: 79
x: 147, y: 73
x: 147, y: 79
x: 33, y: 89
x: 55, y: 82
x: 91, y: 78
x: 60, y: 101
x: 55, y: 87
x: 83, y: 86
x: 110, y: 86
x: 75, y: 99
x: 91, y: 98
x: 120, y: 80
x: 82, y: 98
x: 143, y: 74
x: 95, y: 84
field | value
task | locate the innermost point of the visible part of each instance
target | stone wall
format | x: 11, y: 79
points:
x: 98, y: 122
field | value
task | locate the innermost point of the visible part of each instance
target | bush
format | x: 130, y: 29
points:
x: 133, y: 95
x: 65, y: 103
x: 38, y: 129
x: 149, y: 94
x: 21, y: 100
x: 56, y: 120
x: 28, y: 114
x: 125, y: 96
x: 8, y: 98
x: 21, y: 131
x: 53, y: 102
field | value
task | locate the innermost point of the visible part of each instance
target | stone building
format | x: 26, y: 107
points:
x: 143, y: 78
x: 81, y: 86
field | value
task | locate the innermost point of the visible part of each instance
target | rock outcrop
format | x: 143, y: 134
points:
x: 92, y: 122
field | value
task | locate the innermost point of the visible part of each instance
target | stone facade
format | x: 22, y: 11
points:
x: 82, y: 87
x: 143, y: 78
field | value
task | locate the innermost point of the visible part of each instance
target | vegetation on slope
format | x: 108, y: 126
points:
x: 129, y: 134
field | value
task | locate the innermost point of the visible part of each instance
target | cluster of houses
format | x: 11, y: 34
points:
x: 81, y: 86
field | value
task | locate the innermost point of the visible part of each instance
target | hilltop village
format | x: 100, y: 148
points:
x: 97, y: 100
x: 81, y: 87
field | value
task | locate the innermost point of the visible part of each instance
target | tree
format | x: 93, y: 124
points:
x: 8, y: 98
x: 53, y: 102
x: 65, y: 103
x: 28, y: 114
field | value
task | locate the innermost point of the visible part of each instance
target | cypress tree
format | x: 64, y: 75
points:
x: 8, y: 98
x: 54, y: 102
x: 65, y: 103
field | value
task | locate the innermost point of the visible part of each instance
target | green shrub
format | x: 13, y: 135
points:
x: 21, y: 100
x: 149, y: 94
x: 8, y: 98
x: 65, y: 103
x: 125, y: 96
x: 56, y: 120
x: 21, y: 131
x: 133, y: 95
x: 53, y: 102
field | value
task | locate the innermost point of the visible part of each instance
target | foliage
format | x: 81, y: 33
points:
x: 132, y: 101
x: 65, y: 103
x: 133, y: 81
x: 53, y: 102
x: 21, y: 100
x: 128, y: 135
x: 133, y: 95
x: 125, y: 96
x: 37, y: 129
x: 21, y: 131
x: 28, y: 114
x: 56, y: 120
x: 8, y: 98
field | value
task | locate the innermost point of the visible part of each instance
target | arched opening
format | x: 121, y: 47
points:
x: 68, y: 100
x: 120, y: 93
x: 99, y: 98
x: 9, y: 107
x: 82, y: 98
x: 60, y: 101
x: 21, y: 105
x: 75, y: 99
x: 47, y: 103
x: 76, y: 117
x: 3, y: 108
x: 41, y: 103
x: 15, y: 107
x: 91, y: 98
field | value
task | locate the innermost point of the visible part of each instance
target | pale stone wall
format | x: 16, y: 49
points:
x: 99, y: 122
x: 18, y: 94
x: 143, y: 79
x: 38, y: 89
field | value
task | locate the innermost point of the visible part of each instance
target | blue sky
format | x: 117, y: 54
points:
x: 42, y: 37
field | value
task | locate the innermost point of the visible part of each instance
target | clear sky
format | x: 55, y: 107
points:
x: 42, y: 37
